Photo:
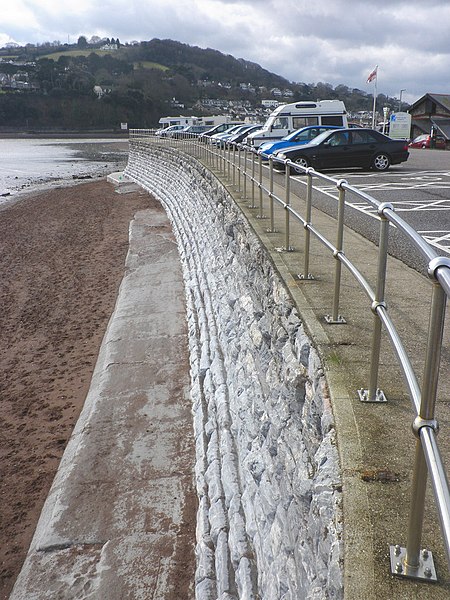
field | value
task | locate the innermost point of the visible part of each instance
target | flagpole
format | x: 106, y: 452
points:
x: 375, y: 94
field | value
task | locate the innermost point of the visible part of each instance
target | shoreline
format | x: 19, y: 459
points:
x: 64, y: 134
x: 89, y: 159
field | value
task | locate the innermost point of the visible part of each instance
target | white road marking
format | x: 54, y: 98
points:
x: 419, y: 180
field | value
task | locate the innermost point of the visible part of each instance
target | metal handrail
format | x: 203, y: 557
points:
x: 409, y: 561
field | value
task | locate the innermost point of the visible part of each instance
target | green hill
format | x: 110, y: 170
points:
x: 98, y: 86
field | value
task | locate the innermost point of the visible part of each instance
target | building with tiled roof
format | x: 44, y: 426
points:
x: 431, y: 109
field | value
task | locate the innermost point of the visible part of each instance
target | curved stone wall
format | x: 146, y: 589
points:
x: 269, y: 521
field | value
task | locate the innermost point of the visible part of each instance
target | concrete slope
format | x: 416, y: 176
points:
x: 119, y: 522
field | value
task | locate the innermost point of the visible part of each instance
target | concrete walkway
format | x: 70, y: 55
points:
x: 119, y: 522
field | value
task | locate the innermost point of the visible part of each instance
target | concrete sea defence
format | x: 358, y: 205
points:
x: 267, y: 470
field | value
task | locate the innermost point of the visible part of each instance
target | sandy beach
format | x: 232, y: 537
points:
x: 62, y: 255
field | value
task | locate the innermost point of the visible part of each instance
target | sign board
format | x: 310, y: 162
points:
x: 400, y: 126
x: 124, y: 126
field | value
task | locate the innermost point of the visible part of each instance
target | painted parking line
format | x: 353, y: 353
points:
x: 395, y: 181
x: 398, y: 182
x: 438, y: 239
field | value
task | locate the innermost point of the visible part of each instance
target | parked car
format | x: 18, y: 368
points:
x: 344, y: 148
x: 424, y: 141
x: 217, y: 138
x: 300, y: 136
x: 237, y: 137
x: 190, y: 131
x: 169, y: 131
x: 223, y: 127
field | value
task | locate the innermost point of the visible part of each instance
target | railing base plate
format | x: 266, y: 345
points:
x: 379, y: 396
x: 425, y: 571
x: 284, y: 249
x: 339, y: 321
x: 308, y: 277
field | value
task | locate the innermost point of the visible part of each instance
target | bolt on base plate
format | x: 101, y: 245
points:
x: 379, y: 396
x: 425, y: 571
x: 339, y: 321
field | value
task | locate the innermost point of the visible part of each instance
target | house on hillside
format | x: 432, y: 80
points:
x: 431, y: 109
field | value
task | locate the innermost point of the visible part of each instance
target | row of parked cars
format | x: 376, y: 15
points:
x: 315, y: 134
x: 322, y: 147
x: 319, y: 146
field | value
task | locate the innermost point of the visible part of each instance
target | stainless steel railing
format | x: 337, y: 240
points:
x: 244, y: 168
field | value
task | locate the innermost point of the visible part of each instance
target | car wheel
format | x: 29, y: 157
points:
x: 302, y: 162
x: 424, y: 146
x: 381, y: 162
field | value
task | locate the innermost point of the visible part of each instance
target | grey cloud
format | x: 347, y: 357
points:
x: 338, y: 42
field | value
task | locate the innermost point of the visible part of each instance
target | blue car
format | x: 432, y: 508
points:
x: 299, y: 136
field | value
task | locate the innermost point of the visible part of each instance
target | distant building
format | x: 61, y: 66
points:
x: 98, y: 91
x: 176, y: 103
x: 109, y: 47
x: 247, y: 87
x: 270, y: 103
x: 431, y: 109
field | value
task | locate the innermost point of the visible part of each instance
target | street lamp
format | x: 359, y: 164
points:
x: 400, y: 101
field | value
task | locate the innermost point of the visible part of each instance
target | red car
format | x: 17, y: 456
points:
x: 423, y: 141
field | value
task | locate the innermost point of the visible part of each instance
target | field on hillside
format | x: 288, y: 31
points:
x: 87, y: 52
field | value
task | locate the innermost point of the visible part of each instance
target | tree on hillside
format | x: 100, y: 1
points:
x: 82, y: 42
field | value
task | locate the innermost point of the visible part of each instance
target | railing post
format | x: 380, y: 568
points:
x: 433, y: 353
x: 239, y: 167
x: 287, y: 200
x: 234, y: 165
x: 207, y: 151
x: 336, y: 318
x: 244, y: 194
x: 224, y: 155
x: 306, y: 275
x: 252, y: 205
x: 260, y: 183
x: 412, y: 561
x: 373, y: 393
x: 271, y: 204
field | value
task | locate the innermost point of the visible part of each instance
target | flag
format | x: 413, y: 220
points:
x: 373, y: 75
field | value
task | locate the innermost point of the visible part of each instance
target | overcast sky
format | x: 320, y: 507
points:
x: 333, y: 41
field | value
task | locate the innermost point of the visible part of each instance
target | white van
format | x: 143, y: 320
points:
x: 289, y: 117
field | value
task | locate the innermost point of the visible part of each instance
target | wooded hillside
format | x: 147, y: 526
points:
x: 99, y: 85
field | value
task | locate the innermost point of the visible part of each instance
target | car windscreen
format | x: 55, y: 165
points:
x: 320, y: 138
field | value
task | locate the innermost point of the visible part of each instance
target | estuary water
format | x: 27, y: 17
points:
x: 28, y: 164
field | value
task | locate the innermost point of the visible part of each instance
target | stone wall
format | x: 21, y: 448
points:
x: 267, y: 473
